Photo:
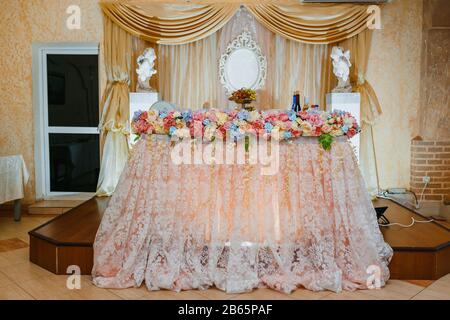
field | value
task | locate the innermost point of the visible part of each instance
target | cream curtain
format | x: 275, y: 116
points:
x: 359, y: 46
x: 188, y: 73
x: 114, y: 125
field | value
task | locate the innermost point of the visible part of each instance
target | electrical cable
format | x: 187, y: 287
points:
x: 413, y: 221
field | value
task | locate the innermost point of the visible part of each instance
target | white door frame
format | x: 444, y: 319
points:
x: 40, y: 108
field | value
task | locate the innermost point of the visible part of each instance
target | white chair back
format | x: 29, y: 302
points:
x: 163, y: 106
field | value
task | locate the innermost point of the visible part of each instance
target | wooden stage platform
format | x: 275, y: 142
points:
x: 420, y: 252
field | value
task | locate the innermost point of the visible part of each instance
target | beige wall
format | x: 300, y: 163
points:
x: 23, y: 22
x: 434, y: 113
x: 394, y: 71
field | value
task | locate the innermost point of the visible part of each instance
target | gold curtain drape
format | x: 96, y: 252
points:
x: 312, y: 23
x: 117, y: 48
x: 169, y: 23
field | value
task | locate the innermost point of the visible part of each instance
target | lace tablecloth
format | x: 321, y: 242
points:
x: 13, y: 178
x: 185, y: 226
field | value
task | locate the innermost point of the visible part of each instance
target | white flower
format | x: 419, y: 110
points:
x: 152, y: 115
x: 349, y: 121
x: 183, y: 133
x: 254, y: 115
x: 176, y: 114
x: 209, y: 132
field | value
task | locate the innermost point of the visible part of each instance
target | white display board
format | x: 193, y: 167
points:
x: 140, y: 101
x: 350, y: 102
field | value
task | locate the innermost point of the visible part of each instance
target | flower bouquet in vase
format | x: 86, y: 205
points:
x: 244, y: 97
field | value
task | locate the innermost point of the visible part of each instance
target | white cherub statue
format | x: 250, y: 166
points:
x: 145, y: 70
x: 341, y: 69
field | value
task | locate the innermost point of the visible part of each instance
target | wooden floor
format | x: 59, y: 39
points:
x: 420, y: 252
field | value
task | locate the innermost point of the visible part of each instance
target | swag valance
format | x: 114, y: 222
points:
x: 169, y: 23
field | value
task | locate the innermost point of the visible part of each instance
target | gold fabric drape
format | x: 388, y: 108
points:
x: 312, y: 23
x: 114, y: 125
x: 170, y: 23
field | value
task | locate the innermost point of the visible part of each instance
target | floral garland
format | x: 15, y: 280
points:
x: 280, y: 125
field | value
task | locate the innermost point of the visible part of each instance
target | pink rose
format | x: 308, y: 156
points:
x: 198, y: 116
x: 144, y: 115
x: 326, y: 128
x: 351, y: 133
x: 283, y: 117
x: 212, y: 116
x: 317, y: 131
x: 303, y: 114
x: 315, y: 120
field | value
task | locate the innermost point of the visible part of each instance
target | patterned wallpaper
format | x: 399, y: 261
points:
x: 393, y: 71
x: 22, y: 23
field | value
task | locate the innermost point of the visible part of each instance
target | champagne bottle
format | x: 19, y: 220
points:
x: 296, y: 102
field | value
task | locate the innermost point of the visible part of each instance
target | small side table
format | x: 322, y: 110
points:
x: 17, y: 210
x: 14, y: 177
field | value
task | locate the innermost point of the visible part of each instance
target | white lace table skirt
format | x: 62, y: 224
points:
x: 182, y: 227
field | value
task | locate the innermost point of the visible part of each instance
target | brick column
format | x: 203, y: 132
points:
x: 431, y: 158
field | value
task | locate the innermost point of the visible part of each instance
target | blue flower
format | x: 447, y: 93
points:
x: 162, y: 114
x: 187, y: 115
x: 236, y: 135
x: 268, y: 127
x: 345, y: 128
x: 243, y: 115
x: 292, y: 116
x: 172, y: 130
x: 136, y: 115
x: 287, y: 135
x: 233, y: 127
x: 206, y: 122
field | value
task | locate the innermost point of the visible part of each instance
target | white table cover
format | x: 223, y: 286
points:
x: 182, y: 227
x: 13, y: 178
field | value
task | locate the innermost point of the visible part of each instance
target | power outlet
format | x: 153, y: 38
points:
x: 426, y: 179
x: 396, y: 190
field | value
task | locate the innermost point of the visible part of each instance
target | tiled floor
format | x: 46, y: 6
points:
x: 20, y: 279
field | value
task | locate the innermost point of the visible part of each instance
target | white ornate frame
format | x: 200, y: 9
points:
x: 243, y: 41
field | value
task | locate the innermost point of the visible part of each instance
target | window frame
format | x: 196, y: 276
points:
x: 40, y: 106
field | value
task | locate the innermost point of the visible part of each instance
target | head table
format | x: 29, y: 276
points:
x: 192, y: 226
